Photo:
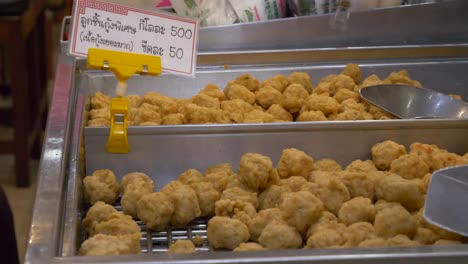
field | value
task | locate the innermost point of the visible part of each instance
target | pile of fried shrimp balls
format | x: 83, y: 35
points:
x: 247, y: 100
x: 300, y: 203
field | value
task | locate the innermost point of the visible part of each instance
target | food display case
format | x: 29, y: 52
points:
x: 72, y: 150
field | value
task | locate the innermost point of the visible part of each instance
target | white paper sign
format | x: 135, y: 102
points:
x: 98, y: 24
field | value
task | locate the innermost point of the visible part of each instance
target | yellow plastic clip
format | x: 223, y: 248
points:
x: 123, y: 65
x: 118, y: 141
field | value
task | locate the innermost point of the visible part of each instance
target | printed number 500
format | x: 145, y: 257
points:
x: 176, y: 52
x: 181, y: 32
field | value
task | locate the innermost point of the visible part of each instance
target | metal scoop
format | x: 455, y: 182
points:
x: 447, y: 200
x: 407, y: 102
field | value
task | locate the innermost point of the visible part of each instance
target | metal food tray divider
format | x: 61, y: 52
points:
x: 56, y: 234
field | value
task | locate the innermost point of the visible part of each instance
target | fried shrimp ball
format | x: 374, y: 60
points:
x: 155, y: 210
x: 401, y: 241
x: 393, y: 188
x: 185, y: 201
x: 243, y: 211
x: 206, y: 101
x: 382, y: 204
x: 100, y: 113
x: 225, y: 232
x: 191, y: 176
x: 236, y: 193
x: 373, y: 242
x: 385, y: 152
x: 166, y: 104
x: 327, y: 221
x: 358, y: 184
x: 279, y: 235
x: 234, y: 181
x: 345, y: 94
x: 97, y: 213
x: 237, y: 91
x: 301, y: 209
x: 294, y: 97
x: 332, y: 191
x: 130, y: 200
x: 352, y: 70
x: 194, y: 114
x: 248, y: 81
x: 146, y: 114
x: 262, y: 219
x: 409, y: 166
x: 278, y: 82
x: 136, y: 180
x: 294, y: 162
x: 271, y: 197
x: 198, y: 240
x: 351, y: 114
x: 311, y: 116
x: 373, y: 80
x: 117, y: 224
x: 326, y: 165
x: 325, y: 104
x: 357, y: 233
x: 393, y: 221
x: 182, y: 246
x: 339, y: 82
x: 100, y: 100
x: 258, y: 116
x: 134, y: 100
x: 219, y: 180
x: 256, y: 171
x: 301, y: 78
x: 402, y: 77
x: 351, y: 104
x: 207, y: 196
x: 101, y: 186
x: 379, y: 114
x: 280, y: 113
x: 249, y: 246
x: 361, y: 166
x: 236, y: 109
x: 267, y: 96
x: 213, y: 91
x: 325, y: 238
x: 294, y: 183
x: 425, y: 236
x: 173, y: 119
x: 359, y: 209
x: 106, y: 245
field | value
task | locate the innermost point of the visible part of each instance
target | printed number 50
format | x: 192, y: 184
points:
x: 176, y: 52
x: 181, y: 32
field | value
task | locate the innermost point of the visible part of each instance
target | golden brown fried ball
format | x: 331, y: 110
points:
x: 223, y: 167
x: 325, y: 238
x: 409, y: 166
x: 426, y: 180
x: 262, y: 219
x: 234, y: 181
x: 326, y: 165
x: 442, y: 233
x: 166, y: 104
x: 136, y: 180
x: 352, y: 70
x: 327, y: 221
x: 106, y: 245
x: 100, y: 100
x: 249, y: 246
x: 339, y: 82
x: 393, y: 188
x: 213, y: 91
x: 294, y: 162
x: 323, y: 87
x: 332, y: 191
x: 207, y: 196
x: 144, y: 114
x: 373, y: 242
x: 182, y: 246
x: 279, y: 235
x: 100, y: 122
x: 130, y: 200
x: 97, y: 213
x: 267, y: 96
x: 236, y: 193
x: 402, y: 77
x: 100, y: 113
x: 206, y: 101
x: 401, y: 241
x: 236, y: 109
x: 379, y: 114
x: 361, y: 166
x: 345, y: 94
x: 373, y: 80
x: 194, y: 114
x: 311, y: 116
x: 219, y: 180
x: 351, y: 114
x: 385, y: 152
x: 248, y: 81
x: 272, y: 196
x: 279, y: 113
x: 186, y: 206
x: 191, y: 176
x: 134, y: 100
x: 293, y: 183
x: 301, y: 209
x: 155, y: 210
x: 279, y: 82
x: 351, y: 104
x: 294, y: 97
x: 357, y: 233
x: 101, y: 186
x: 301, y: 78
x: 323, y: 103
x: 237, y: 91
x: 358, y: 209
x: 173, y: 119
x: 117, y: 224
x: 382, y: 204
x: 394, y: 221
x: 258, y: 116
x: 198, y: 241
x: 240, y: 210
x: 256, y: 171
x: 225, y: 232
x: 425, y: 236
x: 358, y: 184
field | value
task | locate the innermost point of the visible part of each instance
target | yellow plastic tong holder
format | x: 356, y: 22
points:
x: 123, y: 65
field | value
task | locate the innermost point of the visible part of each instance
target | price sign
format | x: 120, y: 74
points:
x: 98, y: 24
